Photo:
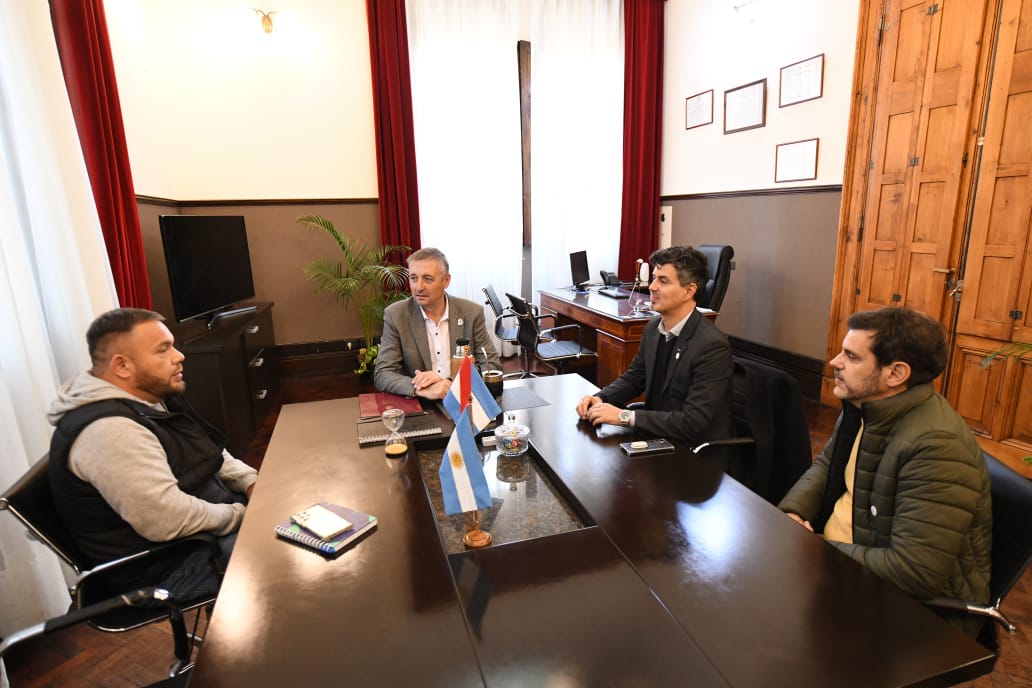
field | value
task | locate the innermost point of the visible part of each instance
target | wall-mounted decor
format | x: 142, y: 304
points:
x: 795, y: 161
x: 745, y: 107
x: 802, y: 81
x: 698, y: 109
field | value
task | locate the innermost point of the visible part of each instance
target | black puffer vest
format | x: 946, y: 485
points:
x: 194, y: 451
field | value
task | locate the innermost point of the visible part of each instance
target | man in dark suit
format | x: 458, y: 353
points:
x: 683, y: 363
x: 419, y: 333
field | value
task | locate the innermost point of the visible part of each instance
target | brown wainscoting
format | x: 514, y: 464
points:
x: 808, y: 371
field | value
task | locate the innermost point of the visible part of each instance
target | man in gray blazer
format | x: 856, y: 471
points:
x: 683, y: 364
x: 419, y: 333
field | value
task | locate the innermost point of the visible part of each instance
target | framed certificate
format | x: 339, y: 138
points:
x: 698, y: 109
x: 802, y: 81
x: 795, y: 161
x: 745, y: 107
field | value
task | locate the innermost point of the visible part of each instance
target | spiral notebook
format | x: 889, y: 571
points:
x: 373, y: 432
x: 361, y: 524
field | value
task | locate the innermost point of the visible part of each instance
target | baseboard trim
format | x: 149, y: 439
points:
x: 808, y: 371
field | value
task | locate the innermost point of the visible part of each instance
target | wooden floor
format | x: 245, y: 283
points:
x: 81, y: 656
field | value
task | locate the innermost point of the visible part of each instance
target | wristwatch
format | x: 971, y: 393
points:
x: 625, y: 417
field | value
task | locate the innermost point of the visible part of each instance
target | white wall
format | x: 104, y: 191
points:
x: 214, y: 108
x: 711, y: 45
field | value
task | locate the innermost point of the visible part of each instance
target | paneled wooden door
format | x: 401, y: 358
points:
x: 912, y: 230
x: 996, y: 400
x: 999, y: 264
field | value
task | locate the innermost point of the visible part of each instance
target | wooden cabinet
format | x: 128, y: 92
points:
x: 231, y: 374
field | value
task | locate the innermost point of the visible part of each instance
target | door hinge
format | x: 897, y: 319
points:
x: 963, y: 161
x: 914, y: 162
x: 1016, y: 315
x: 934, y: 9
x: 896, y: 298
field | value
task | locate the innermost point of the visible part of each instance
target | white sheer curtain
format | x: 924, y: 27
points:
x: 54, y: 278
x: 466, y: 113
x: 577, y: 140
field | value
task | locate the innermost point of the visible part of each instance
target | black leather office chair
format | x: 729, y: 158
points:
x: 770, y: 428
x: 146, y: 598
x: 1012, y: 544
x: 718, y: 261
x: 504, y: 330
x: 31, y: 502
x: 557, y: 352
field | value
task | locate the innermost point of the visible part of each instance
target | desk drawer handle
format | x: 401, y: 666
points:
x: 253, y: 329
x: 262, y: 393
x: 258, y: 362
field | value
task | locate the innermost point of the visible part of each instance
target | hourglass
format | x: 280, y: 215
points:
x: 396, y: 444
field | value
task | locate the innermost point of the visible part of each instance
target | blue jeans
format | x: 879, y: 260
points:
x: 196, y: 577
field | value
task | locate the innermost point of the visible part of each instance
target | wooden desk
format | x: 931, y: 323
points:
x: 680, y: 577
x: 610, y: 329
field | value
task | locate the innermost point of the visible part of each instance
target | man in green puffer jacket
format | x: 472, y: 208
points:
x: 901, y: 486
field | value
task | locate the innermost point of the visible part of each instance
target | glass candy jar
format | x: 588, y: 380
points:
x: 512, y: 438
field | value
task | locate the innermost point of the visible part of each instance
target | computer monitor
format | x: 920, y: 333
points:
x: 579, y: 269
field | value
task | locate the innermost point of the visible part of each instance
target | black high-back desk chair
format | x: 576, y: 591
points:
x: 719, y: 263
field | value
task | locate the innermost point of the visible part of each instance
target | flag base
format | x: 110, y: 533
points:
x: 476, y: 538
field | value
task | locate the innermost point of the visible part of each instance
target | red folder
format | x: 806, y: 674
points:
x: 372, y: 404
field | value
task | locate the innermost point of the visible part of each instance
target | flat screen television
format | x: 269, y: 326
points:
x: 579, y: 269
x: 208, y: 262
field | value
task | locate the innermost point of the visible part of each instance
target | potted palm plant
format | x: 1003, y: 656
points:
x: 362, y: 277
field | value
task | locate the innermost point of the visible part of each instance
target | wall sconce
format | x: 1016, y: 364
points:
x: 266, y: 19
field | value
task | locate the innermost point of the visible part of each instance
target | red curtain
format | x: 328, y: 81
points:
x: 392, y: 112
x: 643, y: 130
x: 82, y: 40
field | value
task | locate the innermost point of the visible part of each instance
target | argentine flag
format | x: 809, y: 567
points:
x: 463, y: 484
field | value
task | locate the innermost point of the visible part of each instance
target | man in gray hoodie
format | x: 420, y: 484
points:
x: 132, y: 465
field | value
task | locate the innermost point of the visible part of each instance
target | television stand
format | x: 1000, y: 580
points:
x: 231, y: 373
x: 229, y: 313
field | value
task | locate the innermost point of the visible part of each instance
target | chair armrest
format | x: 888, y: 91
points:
x: 729, y: 442
x: 991, y: 611
x: 204, y: 538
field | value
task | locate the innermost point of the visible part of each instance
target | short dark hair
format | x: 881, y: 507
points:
x: 113, y: 323
x: 902, y: 334
x: 430, y: 254
x: 689, y: 262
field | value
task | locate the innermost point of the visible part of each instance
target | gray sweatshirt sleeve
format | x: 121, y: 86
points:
x: 126, y: 463
x: 236, y: 474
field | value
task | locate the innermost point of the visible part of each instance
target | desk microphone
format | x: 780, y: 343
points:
x: 636, y: 306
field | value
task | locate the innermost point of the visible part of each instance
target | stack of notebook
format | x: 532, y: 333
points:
x: 326, y: 527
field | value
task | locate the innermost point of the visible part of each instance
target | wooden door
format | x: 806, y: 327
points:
x: 998, y: 272
x: 922, y: 123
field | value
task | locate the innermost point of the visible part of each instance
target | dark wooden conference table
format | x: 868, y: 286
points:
x: 679, y: 577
